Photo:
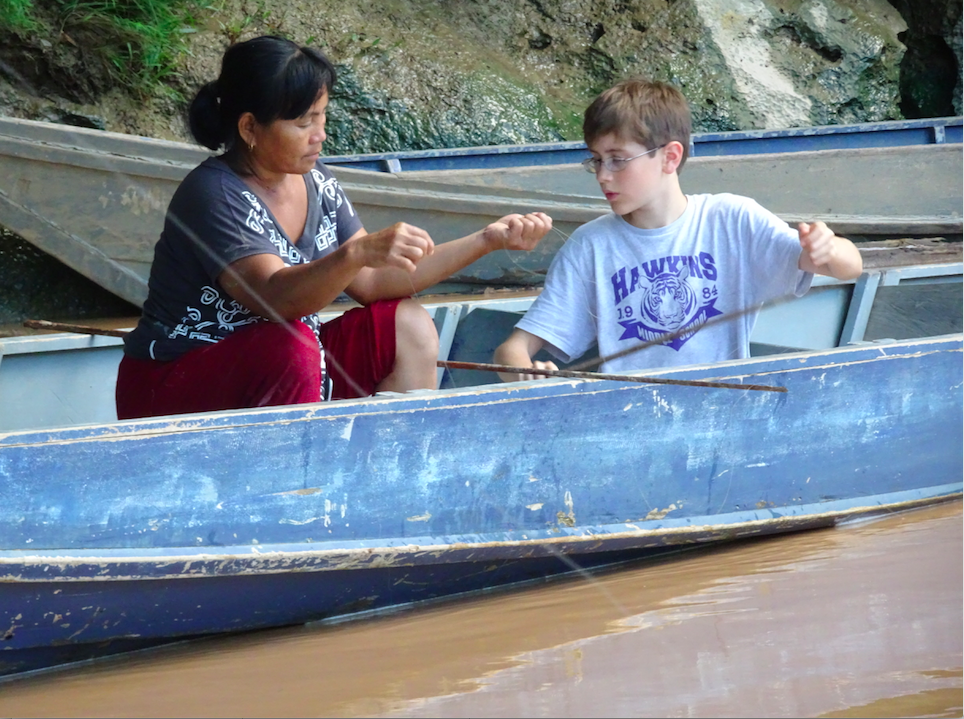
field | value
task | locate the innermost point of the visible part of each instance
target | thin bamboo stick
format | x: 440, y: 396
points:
x: 484, y: 367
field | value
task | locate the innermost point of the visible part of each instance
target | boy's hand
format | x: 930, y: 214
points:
x: 517, y: 351
x: 817, y: 240
x: 536, y: 365
x: 517, y: 232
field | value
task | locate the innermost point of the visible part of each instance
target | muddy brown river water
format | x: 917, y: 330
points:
x: 861, y: 620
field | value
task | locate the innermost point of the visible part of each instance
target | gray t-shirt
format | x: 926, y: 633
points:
x: 213, y: 220
x: 621, y: 286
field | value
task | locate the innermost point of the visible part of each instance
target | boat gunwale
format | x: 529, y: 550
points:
x: 415, y: 551
x: 440, y: 399
x: 38, y: 127
x: 93, y: 158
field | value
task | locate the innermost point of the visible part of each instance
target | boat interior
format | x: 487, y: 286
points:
x: 50, y: 380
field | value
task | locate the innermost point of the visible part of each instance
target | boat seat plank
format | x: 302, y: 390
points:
x: 814, y: 321
x: 880, y: 254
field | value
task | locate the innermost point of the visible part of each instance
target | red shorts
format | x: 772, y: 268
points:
x: 360, y: 349
x: 263, y: 365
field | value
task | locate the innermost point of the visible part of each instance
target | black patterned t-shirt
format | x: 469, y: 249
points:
x: 215, y: 219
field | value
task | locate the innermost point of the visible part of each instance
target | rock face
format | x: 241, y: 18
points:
x: 930, y: 79
x: 746, y: 63
x: 421, y: 74
x: 797, y: 64
x: 742, y: 64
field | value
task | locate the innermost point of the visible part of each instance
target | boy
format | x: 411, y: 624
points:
x: 663, y: 263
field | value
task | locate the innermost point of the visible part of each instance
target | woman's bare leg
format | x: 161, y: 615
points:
x: 416, y: 350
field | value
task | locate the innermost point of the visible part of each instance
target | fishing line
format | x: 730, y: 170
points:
x: 273, y: 315
x: 513, y: 256
x: 587, y: 575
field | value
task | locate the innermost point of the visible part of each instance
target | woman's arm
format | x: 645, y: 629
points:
x: 264, y: 285
x: 512, y: 232
x: 397, y: 261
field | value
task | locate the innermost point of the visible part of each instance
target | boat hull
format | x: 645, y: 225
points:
x: 202, y: 524
x: 137, y: 612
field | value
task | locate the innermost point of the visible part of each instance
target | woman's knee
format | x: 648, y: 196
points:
x: 415, y: 329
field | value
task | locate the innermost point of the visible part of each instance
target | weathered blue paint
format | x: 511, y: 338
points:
x: 710, y: 144
x: 831, y: 137
x: 199, y: 524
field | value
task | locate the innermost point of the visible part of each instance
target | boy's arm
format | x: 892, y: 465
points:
x: 517, y: 351
x: 826, y: 254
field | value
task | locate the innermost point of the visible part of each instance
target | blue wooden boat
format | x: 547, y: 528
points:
x: 877, y: 181
x: 116, y: 535
x: 895, y: 133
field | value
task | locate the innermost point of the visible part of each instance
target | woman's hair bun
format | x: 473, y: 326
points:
x: 204, y: 117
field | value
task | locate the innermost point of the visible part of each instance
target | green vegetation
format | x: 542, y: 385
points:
x: 15, y: 15
x: 135, y: 41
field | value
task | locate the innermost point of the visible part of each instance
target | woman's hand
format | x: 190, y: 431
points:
x: 401, y: 245
x: 517, y: 232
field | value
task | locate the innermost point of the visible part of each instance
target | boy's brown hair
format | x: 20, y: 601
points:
x: 649, y: 112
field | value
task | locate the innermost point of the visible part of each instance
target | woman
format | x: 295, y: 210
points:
x: 262, y: 237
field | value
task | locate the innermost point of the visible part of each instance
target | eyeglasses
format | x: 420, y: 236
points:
x: 613, y: 164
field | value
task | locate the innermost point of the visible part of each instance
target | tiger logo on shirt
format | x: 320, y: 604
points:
x: 669, y: 301
x: 676, y: 301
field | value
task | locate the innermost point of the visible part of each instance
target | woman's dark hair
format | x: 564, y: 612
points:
x: 270, y: 77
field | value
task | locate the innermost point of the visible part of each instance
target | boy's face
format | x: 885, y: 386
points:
x: 638, y: 185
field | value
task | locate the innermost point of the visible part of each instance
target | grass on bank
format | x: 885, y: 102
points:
x: 16, y: 15
x: 138, y: 40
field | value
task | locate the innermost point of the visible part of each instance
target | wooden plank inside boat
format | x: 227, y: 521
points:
x: 881, y: 254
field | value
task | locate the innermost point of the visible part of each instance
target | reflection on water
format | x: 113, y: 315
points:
x: 861, y: 620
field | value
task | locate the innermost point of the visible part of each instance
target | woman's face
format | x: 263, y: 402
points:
x: 290, y: 146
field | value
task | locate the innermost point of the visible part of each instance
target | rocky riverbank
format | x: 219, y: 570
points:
x: 419, y: 74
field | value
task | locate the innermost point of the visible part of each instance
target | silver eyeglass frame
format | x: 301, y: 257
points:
x: 592, y: 164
